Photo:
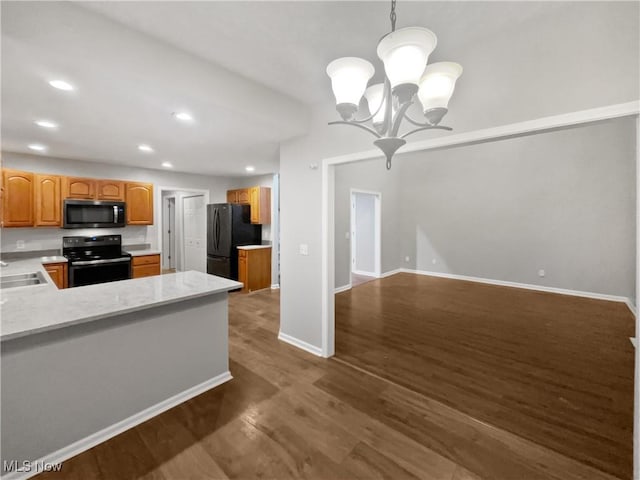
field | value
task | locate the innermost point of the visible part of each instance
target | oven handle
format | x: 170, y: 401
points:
x: 97, y: 262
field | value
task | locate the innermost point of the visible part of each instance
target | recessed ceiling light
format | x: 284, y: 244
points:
x: 46, y: 124
x: 37, y: 147
x: 183, y: 116
x: 61, y: 85
x: 145, y: 148
x: 250, y: 168
x: 167, y: 164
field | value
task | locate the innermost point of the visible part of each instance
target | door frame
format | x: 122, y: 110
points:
x: 492, y: 134
x: 173, y: 254
x: 377, y: 241
x: 158, y: 210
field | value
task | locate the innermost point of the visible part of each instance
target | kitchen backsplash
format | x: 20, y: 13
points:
x: 51, y: 238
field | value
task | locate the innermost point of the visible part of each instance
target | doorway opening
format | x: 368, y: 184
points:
x: 366, y: 244
x: 182, y: 229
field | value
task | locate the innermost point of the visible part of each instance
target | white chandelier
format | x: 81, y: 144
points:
x: 405, y: 53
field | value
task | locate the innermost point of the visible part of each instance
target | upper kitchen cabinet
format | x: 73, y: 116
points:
x: 17, y: 198
x: 260, y: 201
x: 139, y: 198
x: 48, y: 200
x: 110, y: 190
x: 81, y: 188
x: 259, y: 198
x: 238, y: 196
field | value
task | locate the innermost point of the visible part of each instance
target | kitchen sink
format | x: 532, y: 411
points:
x: 22, y: 280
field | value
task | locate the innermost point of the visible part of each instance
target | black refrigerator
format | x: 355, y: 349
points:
x: 228, y: 226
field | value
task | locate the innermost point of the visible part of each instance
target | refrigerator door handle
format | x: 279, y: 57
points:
x: 216, y: 228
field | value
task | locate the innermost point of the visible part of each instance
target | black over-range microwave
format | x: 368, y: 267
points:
x: 93, y: 214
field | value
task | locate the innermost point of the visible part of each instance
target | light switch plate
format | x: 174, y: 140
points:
x: 304, y: 249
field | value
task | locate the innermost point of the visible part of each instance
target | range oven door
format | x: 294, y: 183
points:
x: 99, y: 271
x: 93, y: 214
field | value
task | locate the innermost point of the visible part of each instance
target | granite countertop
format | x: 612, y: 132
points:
x: 253, y: 247
x: 142, y: 252
x: 40, y: 308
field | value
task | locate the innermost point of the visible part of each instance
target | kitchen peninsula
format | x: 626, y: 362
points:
x: 81, y: 365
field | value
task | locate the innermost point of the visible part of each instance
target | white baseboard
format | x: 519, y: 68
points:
x: 343, y: 288
x: 634, y: 342
x: 275, y: 286
x: 300, y: 344
x: 392, y: 272
x: 105, y: 434
x: 365, y: 274
x: 526, y: 286
x: 632, y: 307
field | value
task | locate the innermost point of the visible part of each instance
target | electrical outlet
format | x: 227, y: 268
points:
x: 304, y: 249
x: 406, y: 259
x: 541, y: 273
x: 347, y: 236
x: 20, y: 245
x: 434, y: 261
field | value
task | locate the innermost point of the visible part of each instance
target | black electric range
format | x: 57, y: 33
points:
x: 97, y: 259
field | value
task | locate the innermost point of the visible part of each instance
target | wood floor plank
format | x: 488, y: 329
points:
x: 288, y: 414
x: 366, y: 462
x: 176, y: 452
x: 555, y: 369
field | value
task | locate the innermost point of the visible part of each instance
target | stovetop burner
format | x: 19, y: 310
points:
x: 104, y: 247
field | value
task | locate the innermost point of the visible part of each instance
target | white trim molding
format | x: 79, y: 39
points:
x: 525, y: 286
x: 519, y: 129
x: 365, y: 274
x: 275, y: 286
x: 111, y: 431
x: 343, y: 288
x: 317, y: 351
x: 391, y: 272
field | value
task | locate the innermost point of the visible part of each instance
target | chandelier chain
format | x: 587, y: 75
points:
x: 392, y: 15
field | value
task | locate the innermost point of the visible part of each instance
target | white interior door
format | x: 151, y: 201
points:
x: 365, y: 233
x: 194, y: 226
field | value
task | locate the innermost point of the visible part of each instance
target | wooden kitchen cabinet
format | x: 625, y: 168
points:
x: 139, y: 198
x: 110, y: 190
x: 58, y: 273
x: 80, y: 188
x: 17, y: 198
x: 260, y: 201
x: 259, y: 198
x: 145, y: 266
x: 238, y: 196
x: 254, y: 268
x: 48, y: 200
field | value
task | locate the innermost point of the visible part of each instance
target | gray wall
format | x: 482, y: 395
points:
x: 563, y: 202
x: 581, y: 56
x: 49, y: 238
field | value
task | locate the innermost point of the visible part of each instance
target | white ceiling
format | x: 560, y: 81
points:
x: 247, y: 71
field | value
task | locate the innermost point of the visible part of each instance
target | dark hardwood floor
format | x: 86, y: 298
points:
x: 553, y: 369
x: 288, y: 414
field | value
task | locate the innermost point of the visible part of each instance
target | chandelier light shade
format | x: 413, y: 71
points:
x: 437, y: 85
x: 404, y: 54
x: 349, y: 77
x: 375, y: 97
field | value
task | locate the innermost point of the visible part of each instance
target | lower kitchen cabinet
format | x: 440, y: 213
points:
x: 58, y: 273
x: 145, y: 266
x: 254, y: 268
